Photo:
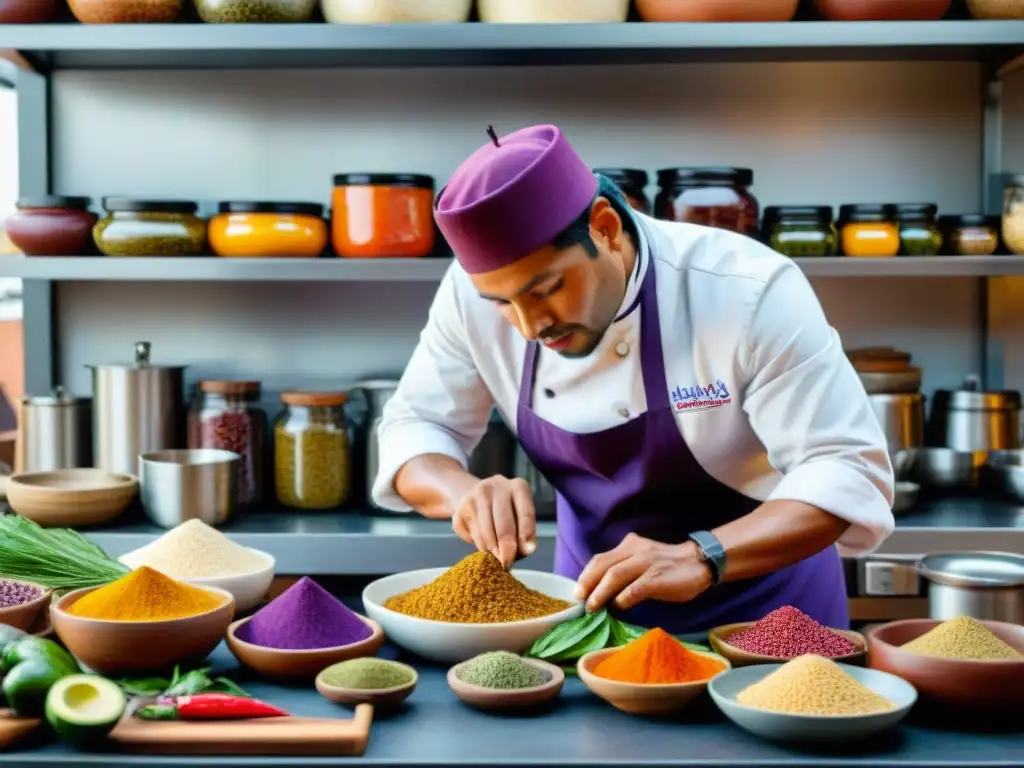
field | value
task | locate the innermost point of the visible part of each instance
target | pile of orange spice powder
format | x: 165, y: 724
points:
x: 657, y: 658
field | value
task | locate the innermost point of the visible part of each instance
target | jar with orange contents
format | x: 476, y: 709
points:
x: 869, y: 230
x: 383, y: 214
x: 268, y: 229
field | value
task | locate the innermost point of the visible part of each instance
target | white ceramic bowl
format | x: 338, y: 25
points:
x: 450, y: 642
x: 248, y: 589
x: 778, y: 726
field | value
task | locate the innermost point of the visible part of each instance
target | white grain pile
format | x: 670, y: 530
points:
x: 195, y: 550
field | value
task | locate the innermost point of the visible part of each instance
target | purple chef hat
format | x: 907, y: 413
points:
x: 512, y: 196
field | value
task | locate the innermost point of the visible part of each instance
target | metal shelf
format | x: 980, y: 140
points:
x: 212, y: 269
x: 229, y: 46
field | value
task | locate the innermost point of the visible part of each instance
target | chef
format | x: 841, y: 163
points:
x: 713, y: 450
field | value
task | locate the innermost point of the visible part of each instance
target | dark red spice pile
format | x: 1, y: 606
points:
x: 787, y: 633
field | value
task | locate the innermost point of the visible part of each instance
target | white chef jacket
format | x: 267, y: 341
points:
x: 761, y: 389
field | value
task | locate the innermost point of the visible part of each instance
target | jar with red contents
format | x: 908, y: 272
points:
x: 714, y: 197
x: 226, y: 415
x: 52, y: 225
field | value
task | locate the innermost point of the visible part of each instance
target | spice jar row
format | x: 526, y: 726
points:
x: 373, y: 215
x: 497, y: 11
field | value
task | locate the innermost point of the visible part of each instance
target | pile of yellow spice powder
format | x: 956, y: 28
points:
x: 963, y: 638
x: 145, y: 595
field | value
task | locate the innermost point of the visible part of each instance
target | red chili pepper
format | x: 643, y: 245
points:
x: 208, y: 706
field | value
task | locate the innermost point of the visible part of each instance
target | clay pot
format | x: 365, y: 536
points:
x: 882, y: 10
x: 125, y: 11
x: 27, y: 11
x: 52, y: 225
x: 996, y: 9
x: 717, y: 10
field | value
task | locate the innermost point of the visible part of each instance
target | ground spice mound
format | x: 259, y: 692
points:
x: 963, y: 638
x: 788, y: 632
x: 657, y: 658
x: 145, y: 595
x: 195, y: 550
x: 476, y: 590
x: 813, y: 685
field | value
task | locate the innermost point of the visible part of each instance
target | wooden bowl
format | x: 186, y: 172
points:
x: 493, y: 699
x: 122, y: 648
x: 296, y: 665
x: 381, y: 698
x: 719, y: 640
x: 71, y: 498
x: 25, y: 615
x: 986, y: 686
x: 636, y: 699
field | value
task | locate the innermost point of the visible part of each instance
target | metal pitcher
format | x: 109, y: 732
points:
x: 54, y: 432
x: 377, y: 393
x: 137, y: 408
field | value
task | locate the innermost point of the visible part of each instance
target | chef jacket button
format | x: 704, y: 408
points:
x: 622, y: 349
x: 549, y: 393
x: 623, y: 411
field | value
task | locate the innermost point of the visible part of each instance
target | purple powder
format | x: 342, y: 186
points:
x: 303, y: 617
x: 12, y: 593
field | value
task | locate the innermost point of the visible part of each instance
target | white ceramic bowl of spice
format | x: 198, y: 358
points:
x: 448, y: 615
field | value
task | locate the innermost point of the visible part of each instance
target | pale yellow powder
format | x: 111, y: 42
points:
x: 195, y: 550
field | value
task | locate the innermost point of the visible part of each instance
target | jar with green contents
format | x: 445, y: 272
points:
x: 311, y: 451
x: 919, y: 229
x: 800, y: 231
x: 150, y: 228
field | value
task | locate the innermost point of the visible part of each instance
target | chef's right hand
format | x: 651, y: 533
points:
x: 497, y: 516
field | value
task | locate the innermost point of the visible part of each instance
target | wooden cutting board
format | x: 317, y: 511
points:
x: 13, y: 729
x: 264, y: 736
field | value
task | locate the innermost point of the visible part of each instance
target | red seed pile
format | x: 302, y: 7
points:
x: 787, y: 632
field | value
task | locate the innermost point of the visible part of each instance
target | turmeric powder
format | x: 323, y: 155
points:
x: 657, y: 658
x: 145, y: 594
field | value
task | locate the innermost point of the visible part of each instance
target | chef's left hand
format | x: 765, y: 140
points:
x: 640, y: 569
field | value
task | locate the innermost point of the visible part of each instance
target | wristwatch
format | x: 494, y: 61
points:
x: 712, y: 552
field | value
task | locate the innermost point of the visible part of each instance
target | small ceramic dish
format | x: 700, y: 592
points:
x: 966, y: 685
x: 71, y: 498
x: 122, y: 648
x: 636, y: 699
x: 718, y: 638
x: 292, y: 664
x: 26, y: 614
x: 379, y: 697
x: 784, y: 727
x: 495, y: 699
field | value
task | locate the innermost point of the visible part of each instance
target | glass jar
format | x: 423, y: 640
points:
x: 382, y: 214
x: 226, y: 415
x: 52, y: 225
x: 970, y: 234
x: 1013, y: 215
x: 243, y: 229
x: 311, y: 450
x: 869, y: 230
x: 714, y: 197
x: 150, y: 228
x: 125, y: 11
x: 256, y: 11
x: 632, y: 182
x: 919, y: 229
x: 800, y: 231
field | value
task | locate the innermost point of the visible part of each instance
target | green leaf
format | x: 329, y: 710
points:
x: 586, y: 625
x: 595, y: 641
x: 148, y: 686
x: 566, y: 629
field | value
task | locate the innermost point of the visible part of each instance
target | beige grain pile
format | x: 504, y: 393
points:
x: 963, y: 638
x: 195, y: 550
x: 813, y: 685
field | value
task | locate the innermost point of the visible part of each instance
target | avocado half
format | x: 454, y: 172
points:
x: 83, y: 709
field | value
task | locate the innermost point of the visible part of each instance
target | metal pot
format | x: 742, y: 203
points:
x: 902, y: 419
x: 137, y: 408
x: 54, y: 433
x: 968, y: 419
x: 947, y: 469
x: 377, y: 393
x: 176, y: 486
x: 983, y: 585
x: 1004, y: 474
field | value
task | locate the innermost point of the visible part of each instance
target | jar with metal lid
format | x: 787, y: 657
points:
x: 633, y: 184
x: 919, y: 229
x: 800, y: 231
x: 54, y: 432
x: 969, y: 419
x: 382, y: 215
x: 714, y: 197
x: 869, y: 230
x: 226, y: 416
x: 1013, y: 215
x: 969, y: 234
x: 150, y: 228
x: 268, y: 229
x: 312, y: 451
x: 52, y: 225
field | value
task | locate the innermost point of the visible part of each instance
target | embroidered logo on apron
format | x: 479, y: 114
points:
x: 699, y: 398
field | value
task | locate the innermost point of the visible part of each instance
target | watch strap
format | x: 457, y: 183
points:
x: 713, y: 552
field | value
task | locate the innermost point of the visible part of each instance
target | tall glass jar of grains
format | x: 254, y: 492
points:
x: 311, y: 451
x: 226, y: 415
x: 1013, y: 215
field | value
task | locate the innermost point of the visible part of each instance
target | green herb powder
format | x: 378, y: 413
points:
x: 500, y: 669
x: 367, y: 674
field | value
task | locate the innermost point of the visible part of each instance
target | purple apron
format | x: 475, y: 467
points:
x: 641, y: 477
